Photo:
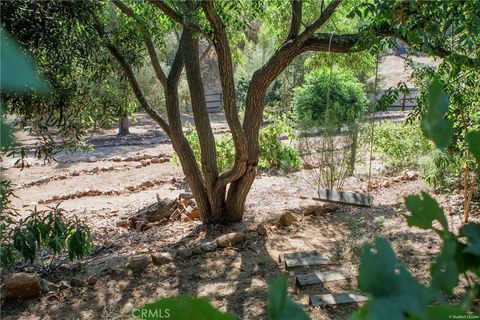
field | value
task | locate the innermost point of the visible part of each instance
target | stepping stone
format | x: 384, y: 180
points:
x: 302, y: 259
x: 336, y: 298
x: 319, y: 277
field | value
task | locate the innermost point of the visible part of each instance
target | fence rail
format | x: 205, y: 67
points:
x: 405, y: 101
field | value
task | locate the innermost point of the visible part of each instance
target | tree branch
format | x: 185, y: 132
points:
x: 126, y: 10
x: 177, y: 64
x: 320, y: 21
x: 339, y: 43
x: 127, y: 69
x: 296, y: 19
x: 208, y: 155
x: 174, y: 15
x: 162, y: 78
x: 148, y: 43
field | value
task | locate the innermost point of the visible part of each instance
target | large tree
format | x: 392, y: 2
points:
x: 221, y: 196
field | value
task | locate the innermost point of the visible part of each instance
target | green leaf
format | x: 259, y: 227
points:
x: 181, y: 308
x: 424, y: 212
x: 17, y: 71
x: 444, y: 312
x: 435, y: 126
x: 395, y: 294
x: 473, y: 141
x: 6, y: 134
x: 445, y: 271
x: 280, y: 306
x: 472, y: 232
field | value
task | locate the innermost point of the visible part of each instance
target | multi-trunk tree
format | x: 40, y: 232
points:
x: 221, y: 196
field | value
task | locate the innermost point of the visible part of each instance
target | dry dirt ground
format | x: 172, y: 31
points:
x: 234, y: 278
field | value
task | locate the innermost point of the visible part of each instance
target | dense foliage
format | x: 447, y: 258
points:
x: 85, y: 89
x: 45, y: 230
x: 274, y: 153
x: 400, y: 145
x: 322, y: 89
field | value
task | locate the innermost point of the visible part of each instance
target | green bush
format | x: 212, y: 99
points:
x: 442, y: 170
x: 400, y: 145
x: 274, y: 154
x: 346, y: 94
x: 47, y: 230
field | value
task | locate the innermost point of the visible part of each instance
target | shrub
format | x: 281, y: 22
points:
x: 346, y: 94
x: 47, y: 230
x: 442, y: 170
x: 274, y: 154
x: 400, y: 145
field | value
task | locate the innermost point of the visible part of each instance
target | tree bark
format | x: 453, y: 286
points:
x: 123, y: 126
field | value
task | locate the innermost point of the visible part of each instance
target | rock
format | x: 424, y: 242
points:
x: 76, y: 282
x: 229, y: 239
x: 185, y: 195
x: 330, y: 207
x: 386, y: 183
x: 22, y: 285
x: 398, y: 178
x: 155, y: 160
x: 410, y: 175
x: 55, y: 198
x: 92, y: 159
x: 94, y: 170
x: 49, y: 286
x: 313, y: 211
x: 161, y: 258
x: 92, y: 280
x: 139, y: 262
x: 127, y: 159
x: 157, y: 211
x: 137, y: 158
x: 185, y: 253
x: 261, y: 229
x: 138, y: 166
x: 147, y: 156
x: 195, y: 214
x: 287, y: 219
x: 41, y: 201
x: 148, y: 184
x: 116, y: 159
x: 208, y: 246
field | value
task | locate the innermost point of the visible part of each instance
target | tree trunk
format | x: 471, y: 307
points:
x: 123, y: 126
